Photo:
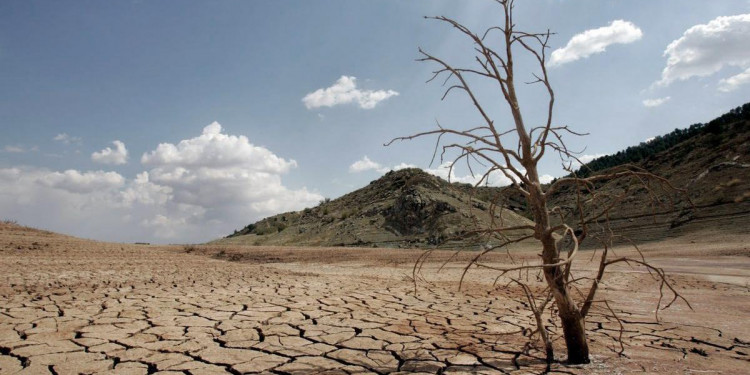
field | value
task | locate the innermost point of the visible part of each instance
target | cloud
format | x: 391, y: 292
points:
x: 365, y: 164
x: 596, y: 41
x: 546, y: 179
x: 116, y: 156
x: 196, y: 190
x: 14, y: 149
x: 82, y: 183
x: 732, y: 83
x: 585, y: 159
x: 705, y: 49
x: 345, y: 91
x: 67, y: 139
x: 443, y: 171
x: 655, y: 102
x: 165, y: 227
x: 90, y: 204
x: 401, y: 166
x: 70, y: 201
x: 224, y: 178
x: 214, y: 150
x: 590, y: 157
x: 142, y: 191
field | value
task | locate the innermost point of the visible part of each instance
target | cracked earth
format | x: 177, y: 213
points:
x: 71, y: 306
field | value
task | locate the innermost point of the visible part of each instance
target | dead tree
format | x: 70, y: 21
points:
x: 514, y: 149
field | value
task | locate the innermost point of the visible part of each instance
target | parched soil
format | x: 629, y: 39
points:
x: 71, y: 306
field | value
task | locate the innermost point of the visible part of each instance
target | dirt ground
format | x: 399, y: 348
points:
x: 71, y: 306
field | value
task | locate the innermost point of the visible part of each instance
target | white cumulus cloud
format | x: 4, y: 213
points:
x: 116, y: 156
x: 215, y: 150
x: 76, y: 182
x: 596, y: 41
x: 365, y: 164
x: 733, y: 82
x: 705, y: 49
x: 655, y: 102
x: 141, y: 190
x: 345, y: 91
x: 72, y: 201
x: 225, y: 176
x: 196, y: 190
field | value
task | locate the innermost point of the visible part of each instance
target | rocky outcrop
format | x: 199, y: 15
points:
x: 414, y: 213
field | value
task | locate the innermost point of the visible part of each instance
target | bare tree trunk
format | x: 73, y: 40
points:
x: 572, y: 322
x: 575, y: 334
x: 571, y: 319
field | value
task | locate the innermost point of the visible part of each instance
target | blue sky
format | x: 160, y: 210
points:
x: 75, y: 76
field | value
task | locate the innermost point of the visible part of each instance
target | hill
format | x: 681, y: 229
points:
x: 27, y: 238
x: 405, y: 208
x: 410, y: 208
x: 711, y: 162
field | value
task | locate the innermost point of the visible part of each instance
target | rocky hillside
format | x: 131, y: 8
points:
x: 406, y: 208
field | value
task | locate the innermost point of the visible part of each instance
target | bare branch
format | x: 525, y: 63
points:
x: 515, y: 150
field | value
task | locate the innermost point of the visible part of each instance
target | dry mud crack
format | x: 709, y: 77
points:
x: 79, y: 307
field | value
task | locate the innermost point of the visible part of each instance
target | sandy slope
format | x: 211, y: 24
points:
x: 71, y: 306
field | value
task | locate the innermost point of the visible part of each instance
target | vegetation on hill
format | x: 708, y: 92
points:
x: 644, y: 150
